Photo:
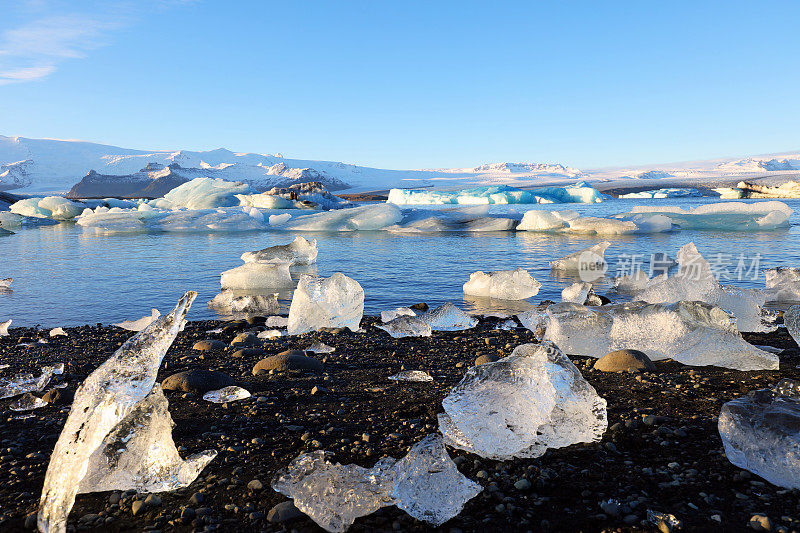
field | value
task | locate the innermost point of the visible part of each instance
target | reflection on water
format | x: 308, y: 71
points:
x: 67, y: 276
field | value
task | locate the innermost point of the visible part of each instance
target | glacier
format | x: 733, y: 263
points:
x: 502, y: 284
x: 580, y: 192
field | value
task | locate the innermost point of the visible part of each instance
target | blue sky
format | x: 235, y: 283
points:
x: 408, y: 84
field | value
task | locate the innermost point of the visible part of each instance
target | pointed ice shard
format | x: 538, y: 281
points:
x: 411, y: 375
x: 105, y: 399
x: 334, y: 302
x: 138, y: 325
x: 791, y: 319
x: 576, y: 293
x: 427, y: 485
x: 4, y: 328
x: 406, y: 326
x: 522, y: 405
x: 227, y: 394
x: 298, y: 252
x: 25, y: 382
x: 761, y: 433
x: 448, y: 317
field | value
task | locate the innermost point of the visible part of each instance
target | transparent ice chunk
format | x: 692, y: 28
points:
x: 590, y: 263
x: 6, y: 283
x: 251, y: 276
x: 503, y: 284
x: 576, y: 293
x: 27, y: 402
x: 783, y: 284
x: 320, y: 347
x: 448, y: 317
x: 140, y: 324
x: 406, y: 326
x: 298, y: 252
x: 4, y: 328
x: 522, y: 405
x: 227, y: 394
x: 388, y: 316
x: 411, y: 375
x: 334, y: 302
x: 230, y: 302
x: 26, y: 382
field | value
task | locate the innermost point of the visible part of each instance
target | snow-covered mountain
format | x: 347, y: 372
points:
x: 50, y: 165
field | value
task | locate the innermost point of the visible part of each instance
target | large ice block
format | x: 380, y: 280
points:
x: 252, y: 276
x: 522, y: 405
x: 298, y: 252
x: 207, y: 193
x: 54, y: 207
x: 782, y: 284
x: 365, y: 217
x: 502, y: 284
x: 230, y: 302
x: 337, y: 301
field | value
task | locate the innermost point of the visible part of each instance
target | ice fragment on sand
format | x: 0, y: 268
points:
x: 590, y: 263
x: 425, y: 483
x: 227, y: 394
x: 269, y: 334
x: 139, y: 325
x: 4, y: 328
x: 27, y: 402
x: 230, y: 302
x: 25, y: 382
x: 388, y: 316
x: 761, y: 433
x: 320, y: 347
x: 6, y: 283
x: 502, y: 284
x: 692, y: 333
x: 783, y: 284
x: 411, y: 375
x: 406, y: 326
x: 334, y: 302
x: 576, y: 293
x: 58, y: 332
x: 448, y: 317
x: 257, y: 276
x: 522, y: 405
x: 298, y: 252
x: 277, y: 321
x: 117, y: 392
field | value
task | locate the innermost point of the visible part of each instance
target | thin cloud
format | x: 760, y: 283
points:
x: 25, y: 74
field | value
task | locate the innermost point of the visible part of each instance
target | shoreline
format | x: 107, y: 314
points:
x: 661, y: 451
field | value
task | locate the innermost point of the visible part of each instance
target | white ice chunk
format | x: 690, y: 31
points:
x: 406, y: 326
x: 26, y: 382
x: 411, y: 375
x: 6, y: 283
x: 227, y: 394
x: 539, y: 220
x: 112, y: 394
x: 320, y: 347
x: 576, y: 293
x: 692, y: 333
x: 730, y: 216
x: 250, y: 276
x: 590, y: 263
x: 140, y: 324
x: 207, y: 193
x: 58, y: 332
x: 632, y: 283
x: 783, y: 284
x: 663, y: 193
x: 4, y: 327
x: 269, y: 334
x: 265, y: 201
x: 27, y: 402
x: 761, y: 433
x: 230, y: 302
x: 388, y: 316
x: 298, y: 252
x: 366, y: 217
x: 503, y: 284
x: 54, y: 207
x: 448, y: 317
x: 337, y: 301
x: 522, y: 405
x: 279, y: 220
x: 277, y: 322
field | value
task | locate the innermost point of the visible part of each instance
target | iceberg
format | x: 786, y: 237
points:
x: 723, y: 216
x: 140, y: 324
x: 691, y: 333
x: 227, y: 394
x: 118, y: 432
x: 298, y: 252
x: 539, y: 220
x: 204, y: 193
x: 406, y: 326
x: 53, y: 207
x: 521, y: 405
x: 265, y: 201
x: 580, y: 192
x: 362, y: 218
x: 425, y: 484
x: 782, y: 284
x: 230, y: 302
x: 334, y: 302
x: 503, y: 284
x: 663, y: 193
x: 590, y: 264
x: 761, y: 433
x: 448, y: 317
x: 251, y: 276
x: 695, y: 281
x: 147, y: 218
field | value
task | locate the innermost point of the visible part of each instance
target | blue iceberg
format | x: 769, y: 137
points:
x: 580, y: 192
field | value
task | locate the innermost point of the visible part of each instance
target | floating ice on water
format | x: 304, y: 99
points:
x: 366, y: 217
x: 265, y: 201
x: 279, y: 220
x: 663, y: 193
x: 576, y: 293
x: 54, y: 207
x: 320, y: 347
x: 276, y: 321
x: 6, y: 283
x: 448, y: 317
x: 26, y: 382
x: 118, y: 433
x: 411, y: 375
x: 731, y: 216
x: 761, y: 433
x: 4, y: 327
x: 27, y: 402
x: 503, y: 284
x: 206, y: 193
x: 139, y: 325
x: 522, y: 405
x: 692, y: 333
x: 425, y: 483
x: 337, y: 301
x: 227, y: 394
x: 406, y: 326
x: 58, y: 332
x: 269, y: 334
x: 783, y: 284
x: 695, y: 281
x: 580, y: 192
x: 230, y: 302
x: 148, y: 218
x: 539, y: 220
x: 298, y: 252
x: 388, y: 316
x: 250, y: 276
x: 590, y: 263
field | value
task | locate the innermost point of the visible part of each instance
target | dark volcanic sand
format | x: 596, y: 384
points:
x: 670, y: 462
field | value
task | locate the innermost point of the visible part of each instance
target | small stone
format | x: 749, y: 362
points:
x: 246, y: 339
x: 152, y: 500
x: 137, y: 507
x: 283, y: 512
x: 624, y: 361
x: 197, y: 498
x: 522, y: 484
x: 760, y: 522
x: 197, y: 381
x: 288, y: 360
x: 208, y: 345
x: 487, y: 358
x: 255, y: 485
x: 422, y: 306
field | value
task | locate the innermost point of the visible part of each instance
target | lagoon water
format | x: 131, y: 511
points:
x: 66, y: 276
